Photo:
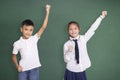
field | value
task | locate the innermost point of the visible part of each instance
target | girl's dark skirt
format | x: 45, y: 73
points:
x: 74, y: 75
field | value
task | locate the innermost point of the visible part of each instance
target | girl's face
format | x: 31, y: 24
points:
x: 73, y: 30
x: 27, y: 31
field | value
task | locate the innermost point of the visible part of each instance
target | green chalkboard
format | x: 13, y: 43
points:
x: 103, y: 48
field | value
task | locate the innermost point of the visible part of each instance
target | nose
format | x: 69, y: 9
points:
x: 28, y: 32
x: 73, y: 31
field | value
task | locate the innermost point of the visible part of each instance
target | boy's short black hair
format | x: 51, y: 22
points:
x: 73, y: 22
x: 27, y: 22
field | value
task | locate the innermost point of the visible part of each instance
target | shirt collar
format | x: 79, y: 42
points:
x: 21, y: 38
x: 74, y: 38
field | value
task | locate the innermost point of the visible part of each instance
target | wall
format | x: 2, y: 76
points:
x: 103, y: 48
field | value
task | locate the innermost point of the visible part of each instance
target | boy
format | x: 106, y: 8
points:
x: 29, y: 64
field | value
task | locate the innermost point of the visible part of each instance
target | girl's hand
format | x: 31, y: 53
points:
x: 70, y: 48
x: 19, y: 69
x: 104, y: 13
x: 48, y: 8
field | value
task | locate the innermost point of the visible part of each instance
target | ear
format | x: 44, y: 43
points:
x: 21, y: 29
x: 79, y: 29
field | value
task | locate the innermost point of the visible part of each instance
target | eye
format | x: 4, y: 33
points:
x: 70, y: 29
x: 31, y: 29
x: 26, y: 29
x: 76, y: 28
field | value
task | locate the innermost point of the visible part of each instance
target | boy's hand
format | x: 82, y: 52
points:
x: 48, y: 8
x: 70, y: 48
x: 41, y: 30
x: 19, y: 69
x: 104, y: 13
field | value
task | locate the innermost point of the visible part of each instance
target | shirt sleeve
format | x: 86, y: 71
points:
x: 67, y: 56
x: 93, y: 28
x: 15, y: 49
x: 36, y: 38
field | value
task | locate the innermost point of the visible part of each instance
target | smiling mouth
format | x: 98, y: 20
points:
x: 27, y: 35
x: 73, y: 33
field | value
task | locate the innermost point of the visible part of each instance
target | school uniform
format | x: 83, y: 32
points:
x: 29, y: 55
x: 73, y: 68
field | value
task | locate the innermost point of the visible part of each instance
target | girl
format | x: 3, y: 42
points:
x: 75, y: 50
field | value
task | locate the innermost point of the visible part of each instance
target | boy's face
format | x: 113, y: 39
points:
x: 73, y: 30
x: 27, y: 31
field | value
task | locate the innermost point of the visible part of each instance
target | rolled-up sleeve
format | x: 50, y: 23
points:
x: 67, y: 56
x: 15, y: 49
x: 36, y: 38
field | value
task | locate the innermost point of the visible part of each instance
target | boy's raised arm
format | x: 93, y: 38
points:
x: 41, y: 30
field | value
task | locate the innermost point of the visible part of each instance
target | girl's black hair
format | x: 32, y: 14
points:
x: 73, y: 22
x: 27, y: 22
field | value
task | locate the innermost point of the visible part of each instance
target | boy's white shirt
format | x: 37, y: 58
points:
x: 69, y: 56
x: 28, y: 51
